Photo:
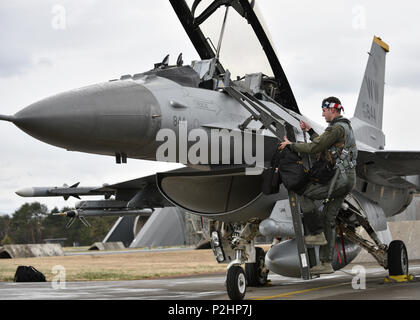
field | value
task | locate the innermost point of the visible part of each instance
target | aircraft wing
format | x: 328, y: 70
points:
x: 127, y: 190
x: 399, y: 163
x: 390, y: 167
x: 137, y: 184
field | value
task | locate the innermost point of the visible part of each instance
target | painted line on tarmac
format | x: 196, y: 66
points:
x: 288, y: 294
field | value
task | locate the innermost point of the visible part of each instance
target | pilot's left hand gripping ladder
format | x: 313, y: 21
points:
x: 274, y: 123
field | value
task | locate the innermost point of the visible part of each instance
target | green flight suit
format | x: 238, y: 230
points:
x: 315, y: 191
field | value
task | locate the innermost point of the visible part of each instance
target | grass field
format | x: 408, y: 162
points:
x: 124, y: 266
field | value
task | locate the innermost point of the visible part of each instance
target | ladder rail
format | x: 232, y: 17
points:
x: 300, y: 240
x: 266, y: 118
x: 260, y: 112
x: 263, y: 106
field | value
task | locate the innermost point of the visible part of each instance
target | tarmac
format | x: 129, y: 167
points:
x: 346, y: 284
x: 342, y: 285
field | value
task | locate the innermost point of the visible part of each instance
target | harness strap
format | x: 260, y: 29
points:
x: 345, y: 158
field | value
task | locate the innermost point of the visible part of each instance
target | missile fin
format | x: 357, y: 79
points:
x: 75, y: 185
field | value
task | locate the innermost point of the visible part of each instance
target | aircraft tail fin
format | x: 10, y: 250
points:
x: 370, y: 104
x: 371, y: 97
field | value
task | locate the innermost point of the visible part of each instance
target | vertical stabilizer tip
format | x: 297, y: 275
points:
x: 382, y: 44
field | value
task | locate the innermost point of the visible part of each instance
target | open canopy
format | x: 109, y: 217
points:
x: 243, y: 38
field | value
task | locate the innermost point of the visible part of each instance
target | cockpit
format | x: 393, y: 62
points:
x: 234, y: 47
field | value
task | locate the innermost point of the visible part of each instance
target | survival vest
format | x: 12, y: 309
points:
x: 343, y: 154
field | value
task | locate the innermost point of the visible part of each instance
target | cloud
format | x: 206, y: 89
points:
x: 13, y: 64
x: 28, y: 35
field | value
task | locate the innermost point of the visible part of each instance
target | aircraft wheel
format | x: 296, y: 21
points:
x: 255, y: 272
x: 397, y: 258
x: 236, y: 283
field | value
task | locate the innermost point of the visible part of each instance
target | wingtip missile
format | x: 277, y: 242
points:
x: 34, y: 192
x: 65, y: 191
x: 26, y: 192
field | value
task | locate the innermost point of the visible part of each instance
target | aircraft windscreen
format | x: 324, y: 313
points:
x: 241, y: 52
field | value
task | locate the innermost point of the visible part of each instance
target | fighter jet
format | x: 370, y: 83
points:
x: 180, y: 113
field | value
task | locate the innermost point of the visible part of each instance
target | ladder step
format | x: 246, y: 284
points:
x: 304, y: 256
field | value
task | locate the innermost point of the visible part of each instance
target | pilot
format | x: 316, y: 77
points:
x: 338, y: 143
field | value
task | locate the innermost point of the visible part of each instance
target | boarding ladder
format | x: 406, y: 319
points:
x: 279, y: 127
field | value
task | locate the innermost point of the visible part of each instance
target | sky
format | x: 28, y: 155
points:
x: 50, y: 46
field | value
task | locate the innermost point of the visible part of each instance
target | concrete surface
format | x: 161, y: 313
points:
x: 337, y: 286
x: 11, y: 251
x: 101, y: 246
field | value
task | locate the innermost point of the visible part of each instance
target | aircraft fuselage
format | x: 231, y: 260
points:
x: 124, y: 117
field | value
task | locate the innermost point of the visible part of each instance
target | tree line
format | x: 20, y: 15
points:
x: 32, y: 223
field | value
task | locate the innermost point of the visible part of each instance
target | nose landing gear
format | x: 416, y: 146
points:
x: 236, y: 283
x: 255, y: 275
x: 234, y: 244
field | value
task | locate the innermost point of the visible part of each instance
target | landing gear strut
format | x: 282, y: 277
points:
x: 257, y: 273
x: 234, y: 244
x: 394, y: 257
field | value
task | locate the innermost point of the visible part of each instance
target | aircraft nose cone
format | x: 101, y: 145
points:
x: 105, y: 119
x: 7, y: 118
x: 54, y: 120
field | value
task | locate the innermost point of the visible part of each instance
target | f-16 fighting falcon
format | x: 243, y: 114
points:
x: 225, y: 131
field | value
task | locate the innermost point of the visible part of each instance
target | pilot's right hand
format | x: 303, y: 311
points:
x: 305, y: 126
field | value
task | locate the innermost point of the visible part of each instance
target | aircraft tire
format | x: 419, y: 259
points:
x: 236, y: 283
x: 254, y: 271
x: 397, y: 258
